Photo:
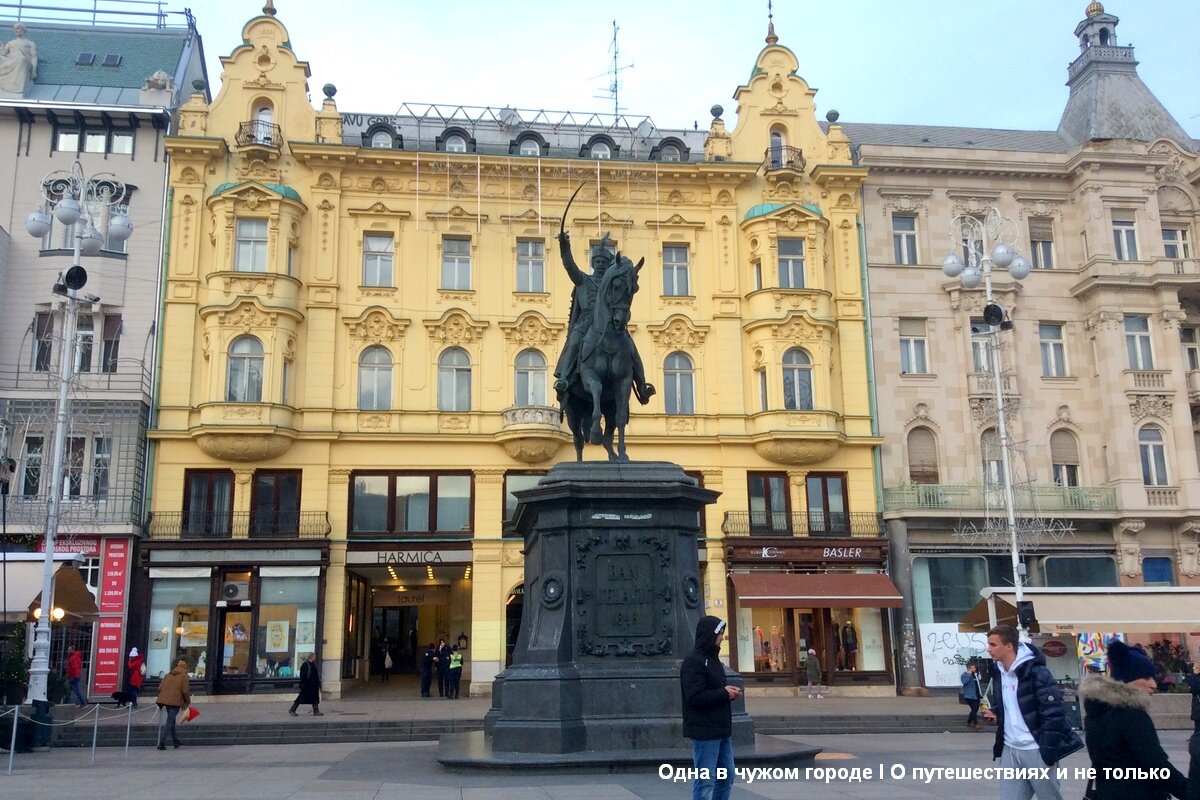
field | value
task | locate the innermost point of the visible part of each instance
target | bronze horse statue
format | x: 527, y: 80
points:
x: 605, y: 378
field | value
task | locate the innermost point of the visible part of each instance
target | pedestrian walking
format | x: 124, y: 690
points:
x: 708, y: 711
x: 455, y: 678
x: 1193, y: 684
x: 1032, y: 731
x: 812, y: 668
x: 173, y: 694
x: 136, y: 664
x: 971, y: 692
x: 387, y: 659
x: 427, y: 663
x: 1120, y: 734
x: 75, y: 674
x: 442, y: 662
x: 310, y: 687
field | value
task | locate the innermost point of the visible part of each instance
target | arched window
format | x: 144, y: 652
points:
x: 680, y: 395
x: 1154, y: 456
x: 601, y: 150
x: 263, y: 112
x: 455, y: 143
x: 797, y: 380
x: 531, y: 379
x: 454, y: 380
x: 777, y: 145
x: 1064, y: 458
x: 245, y: 378
x: 670, y: 153
x: 375, y: 380
x: 381, y: 139
x: 922, y: 456
x: 1104, y: 36
x: 530, y: 147
x: 993, y: 458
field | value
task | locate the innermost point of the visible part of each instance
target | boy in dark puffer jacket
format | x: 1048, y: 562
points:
x: 708, y: 711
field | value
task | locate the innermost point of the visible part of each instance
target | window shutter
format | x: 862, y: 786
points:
x: 922, y: 456
x: 912, y: 327
x: 1041, y: 229
x: 1064, y: 449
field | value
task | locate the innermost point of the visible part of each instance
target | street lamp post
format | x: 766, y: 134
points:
x: 985, y: 245
x: 86, y: 205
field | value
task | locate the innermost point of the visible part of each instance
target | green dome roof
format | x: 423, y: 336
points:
x: 286, y: 191
x: 762, y: 209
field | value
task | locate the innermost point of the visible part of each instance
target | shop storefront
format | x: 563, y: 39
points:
x: 243, y: 620
x: 829, y: 597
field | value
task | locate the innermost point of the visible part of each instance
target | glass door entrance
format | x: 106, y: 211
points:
x: 394, y: 634
x: 231, y: 673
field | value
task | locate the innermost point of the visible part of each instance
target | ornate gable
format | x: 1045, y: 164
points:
x: 455, y: 327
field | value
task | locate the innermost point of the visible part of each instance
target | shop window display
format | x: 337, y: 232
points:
x: 858, y: 635
x: 287, y: 625
x: 178, y: 625
x: 761, y: 640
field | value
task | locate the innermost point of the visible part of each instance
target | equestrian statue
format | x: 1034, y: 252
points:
x: 599, y: 365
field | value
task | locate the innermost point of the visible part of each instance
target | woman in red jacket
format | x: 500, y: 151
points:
x: 137, y: 673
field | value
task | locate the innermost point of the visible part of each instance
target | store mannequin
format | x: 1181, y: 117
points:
x: 760, y: 645
x: 850, y: 645
x: 839, y: 659
x: 776, y: 649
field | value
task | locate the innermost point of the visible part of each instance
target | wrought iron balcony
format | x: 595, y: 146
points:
x: 85, y: 510
x: 783, y: 158
x: 259, y: 132
x: 811, y: 524
x: 239, y: 525
x: 977, y: 497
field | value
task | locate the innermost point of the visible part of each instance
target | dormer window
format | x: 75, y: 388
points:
x: 670, y: 153
x: 456, y: 143
x: 530, y: 147
x: 600, y: 150
x: 381, y: 139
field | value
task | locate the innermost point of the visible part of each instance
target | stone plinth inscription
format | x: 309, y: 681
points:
x: 624, y: 595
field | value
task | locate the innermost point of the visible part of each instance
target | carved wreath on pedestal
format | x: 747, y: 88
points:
x: 630, y: 582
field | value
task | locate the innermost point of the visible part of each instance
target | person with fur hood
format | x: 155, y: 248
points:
x: 708, y: 711
x: 1119, y: 732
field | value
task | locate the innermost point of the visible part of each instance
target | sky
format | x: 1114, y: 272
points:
x: 997, y: 64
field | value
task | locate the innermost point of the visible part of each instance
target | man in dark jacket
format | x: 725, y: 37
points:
x: 310, y: 687
x: 427, y: 661
x: 441, y: 660
x: 708, y: 712
x: 1193, y: 683
x: 1032, y: 731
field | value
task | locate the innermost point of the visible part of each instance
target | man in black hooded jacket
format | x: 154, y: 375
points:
x: 708, y: 711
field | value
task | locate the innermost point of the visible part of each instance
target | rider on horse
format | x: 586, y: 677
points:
x: 583, y: 305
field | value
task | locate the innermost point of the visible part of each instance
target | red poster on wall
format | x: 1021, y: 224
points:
x: 114, y: 574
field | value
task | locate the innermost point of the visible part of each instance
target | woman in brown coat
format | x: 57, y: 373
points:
x: 173, y: 695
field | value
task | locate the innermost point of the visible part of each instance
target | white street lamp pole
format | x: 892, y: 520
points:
x: 76, y: 200
x: 975, y: 236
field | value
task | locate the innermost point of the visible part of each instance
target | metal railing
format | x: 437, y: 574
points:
x: 258, y: 131
x: 113, y: 509
x: 977, y: 497
x: 810, y: 524
x: 238, y: 525
x: 783, y: 158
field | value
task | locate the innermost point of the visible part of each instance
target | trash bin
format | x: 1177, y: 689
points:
x: 1071, y: 708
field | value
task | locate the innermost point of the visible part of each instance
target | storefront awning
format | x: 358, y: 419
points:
x: 818, y: 590
x: 1100, y: 610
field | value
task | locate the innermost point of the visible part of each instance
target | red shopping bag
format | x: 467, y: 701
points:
x: 188, y: 714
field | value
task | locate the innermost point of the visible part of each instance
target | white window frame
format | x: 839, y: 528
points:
x: 981, y: 348
x: 1176, y: 242
x: 33, y: 464
x: 382, y: 140
x: 1053, y: 349
x: 250, y: 248
x: 454, y: 380
x: 1139, y: 347
x: 914, y: 349
x: 1153, y: 454
x: 904, y: 240
x: 791, y: 265
x: 792, y: 379
x: 679, y: 380
x: 531, y: 266
x: 242, y: 385
x: 378, y: 259
x: 676, y: 271
x: 529, y: 379
x: 1125, y: 245
x: 530, y: 147
x: 101, y: 466
x: 375, y: 379
x: 600, y: 150
x: 456, y: 143
x: 1189, y: 339
x: 456, y: 263
x: 1041, y: 242
x: 85, y: 342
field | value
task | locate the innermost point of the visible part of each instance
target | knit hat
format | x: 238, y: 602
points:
x: 1128, y: 663
x: 133, y: 651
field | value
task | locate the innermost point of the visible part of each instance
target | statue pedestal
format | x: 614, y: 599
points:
x: 612, y: 598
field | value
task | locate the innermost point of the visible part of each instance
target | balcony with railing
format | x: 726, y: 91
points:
x: 259, y: 133
x: 776, y: 158
x: 28, y: 512
x: 239, y: 525
x: 805, y: 525
x: 983, y: 384
x: 1146, y: 379
x: 532, y: 434
x: 977, y: 497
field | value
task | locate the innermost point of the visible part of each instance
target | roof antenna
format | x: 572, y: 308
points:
x: 771, y: 37
x: 614, y: 74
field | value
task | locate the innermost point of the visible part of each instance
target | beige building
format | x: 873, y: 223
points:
x: 1100, y: 367
x: 362, y: 317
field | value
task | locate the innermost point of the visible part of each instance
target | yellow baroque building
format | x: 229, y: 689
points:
x: 361, y: 319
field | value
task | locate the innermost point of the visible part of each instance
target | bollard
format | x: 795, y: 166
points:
x: 128, y: 726
x: 95, y: 730
x: 12, y: 745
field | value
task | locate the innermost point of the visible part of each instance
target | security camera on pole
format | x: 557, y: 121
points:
x: 87, y: 206
x: 979, y: 256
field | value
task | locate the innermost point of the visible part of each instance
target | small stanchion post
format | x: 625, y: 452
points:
x: 12, y: 745
x: 95, y: 730
x: 128, y: 727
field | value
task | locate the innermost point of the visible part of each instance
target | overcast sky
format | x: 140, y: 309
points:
x: 999, y: 64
